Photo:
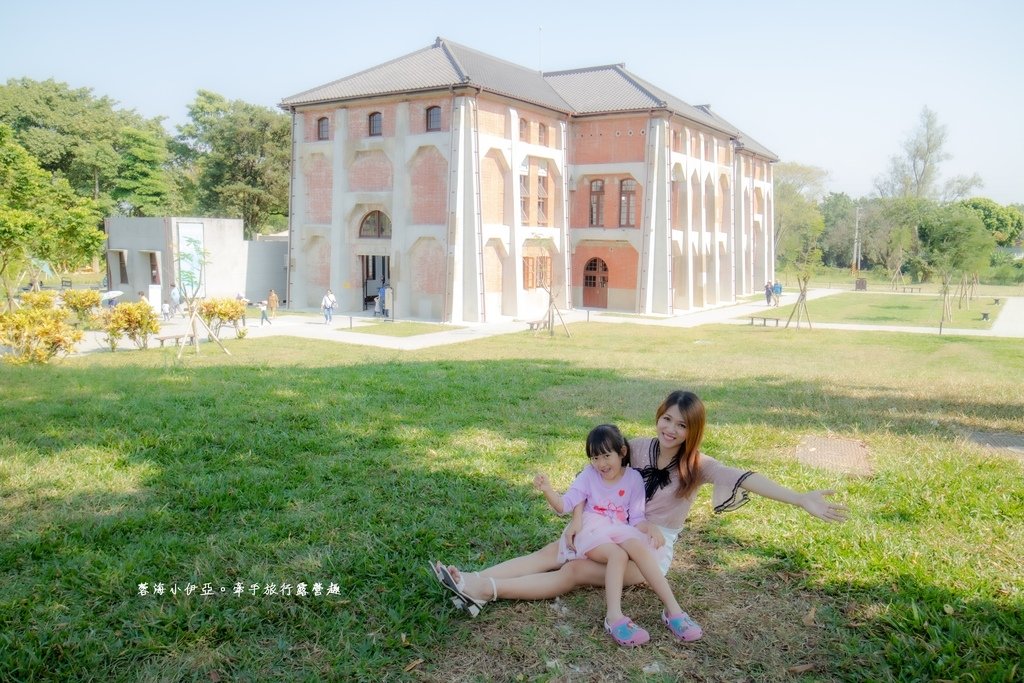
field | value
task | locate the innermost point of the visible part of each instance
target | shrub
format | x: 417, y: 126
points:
x: 35, y: 334
x: 134, y: 320
x: 219, y: 312
x: 81, y: 302
x: 42, y: 299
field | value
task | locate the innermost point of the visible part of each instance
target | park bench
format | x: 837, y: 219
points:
x: 65, y: 284
x: 764, y: 320
x: 537, y: 325
x: 911, y: 290
x: 179, y: 339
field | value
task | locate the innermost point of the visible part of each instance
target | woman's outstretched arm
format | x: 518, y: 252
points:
x: 813, y: 502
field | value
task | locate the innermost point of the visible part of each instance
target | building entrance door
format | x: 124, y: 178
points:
x: 376, y: 272
x: 595, y: 284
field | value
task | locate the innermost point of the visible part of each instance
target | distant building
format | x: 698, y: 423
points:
x: 145, y: 255
x: 472, y: 184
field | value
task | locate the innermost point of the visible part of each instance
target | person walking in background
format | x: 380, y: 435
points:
x: 768, y: 294
x: 175, y: 299
x: 382, y: 298
x: 272, y: 304
x: 263, y: 313
x: 166, y: 310
x: 245, y: 304
x: 327, y: 304
x: 777, y: 292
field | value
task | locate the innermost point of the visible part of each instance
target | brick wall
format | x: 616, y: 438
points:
x: 492, y: 118
x: 607, y: 141
x: 621, y: 259
x: 427, y: 267
x: 359, y: 124
x: 492, y: 190
x: 429, y: 173
x: 579, y: 203
x: 418, y: 115
x: 319, y: 179
x: 370, y: 172
x: 310, y: 124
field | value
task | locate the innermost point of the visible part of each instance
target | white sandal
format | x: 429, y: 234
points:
x: 461, y: 599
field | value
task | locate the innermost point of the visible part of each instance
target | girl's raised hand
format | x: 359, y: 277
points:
x: 814, y: 502
x: 541, y: 482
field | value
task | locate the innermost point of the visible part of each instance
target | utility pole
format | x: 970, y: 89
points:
x: 855, y: 264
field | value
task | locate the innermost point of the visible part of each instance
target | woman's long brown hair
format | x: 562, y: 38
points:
x: 692, y: 410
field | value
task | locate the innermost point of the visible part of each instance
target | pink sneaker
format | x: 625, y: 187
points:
x: 626, y: 633
x: 682, y: 626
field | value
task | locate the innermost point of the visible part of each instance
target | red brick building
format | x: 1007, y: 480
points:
x: 473, y: 185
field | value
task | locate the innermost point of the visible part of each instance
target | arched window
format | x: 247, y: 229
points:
x: 542, y: 134
x: 627, y: 204
x: 376, y: 123
x: 375, y: 224
x: 597, y: 203
x: 524, y: 130
x: 323, y: 128
x: 433, y: 118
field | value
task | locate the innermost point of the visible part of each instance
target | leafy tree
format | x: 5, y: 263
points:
x: 142, y: 186
x: 1004, y: 222
x: 798, y: 220
x: 915, y: 171
x: 956, y: 243
x: 80, y: 137
x: 839, y: 213
x: 40, y: 218
x: 237, y: 157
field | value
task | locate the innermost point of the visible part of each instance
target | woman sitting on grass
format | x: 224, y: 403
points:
x: 673, y: 470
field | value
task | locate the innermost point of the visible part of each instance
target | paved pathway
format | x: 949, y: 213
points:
x: 1009, y: 323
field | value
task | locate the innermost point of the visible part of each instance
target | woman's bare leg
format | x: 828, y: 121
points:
x: 543, y: 585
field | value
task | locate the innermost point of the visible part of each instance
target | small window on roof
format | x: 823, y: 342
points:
x: 434, y: 118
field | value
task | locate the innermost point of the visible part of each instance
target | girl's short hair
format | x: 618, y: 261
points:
x: 605, y: 439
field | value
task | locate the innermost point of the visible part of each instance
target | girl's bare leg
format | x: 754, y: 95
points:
x: 615, y: 560
x: 645, y: 561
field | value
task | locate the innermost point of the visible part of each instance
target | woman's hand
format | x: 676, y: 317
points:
x: 814, y: 502
x: 653, y: 532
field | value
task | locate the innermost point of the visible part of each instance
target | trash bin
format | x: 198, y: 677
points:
x: 861, y: 285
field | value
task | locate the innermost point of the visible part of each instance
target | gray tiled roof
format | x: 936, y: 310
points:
x: 593, y: 90
x: 440, y: 66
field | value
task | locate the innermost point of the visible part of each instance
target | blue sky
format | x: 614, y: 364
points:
x: 833, y: 84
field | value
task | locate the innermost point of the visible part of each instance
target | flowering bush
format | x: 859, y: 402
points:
x: 134, y: 320
x: 81, y: 302
x: 219, y: 312
x: 36, y: 333
x: 42, y: 299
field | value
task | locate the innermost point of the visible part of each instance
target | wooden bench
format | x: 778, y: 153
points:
x: 911, y: 290
x: 179, y: 339
x: 538, y: 325
x: 764, y: 320
x: 65, y: 284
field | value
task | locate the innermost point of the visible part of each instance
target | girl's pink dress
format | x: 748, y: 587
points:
x: 610, y: 514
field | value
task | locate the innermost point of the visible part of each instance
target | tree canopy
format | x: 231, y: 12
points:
x: 235, y: 158
x: 40, y: 218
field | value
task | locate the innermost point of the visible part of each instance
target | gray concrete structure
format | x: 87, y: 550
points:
x: 146, y: 255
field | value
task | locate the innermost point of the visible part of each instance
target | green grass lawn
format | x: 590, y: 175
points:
x: 302, y: 462
x: 404, y: 329
x: 913, y: 310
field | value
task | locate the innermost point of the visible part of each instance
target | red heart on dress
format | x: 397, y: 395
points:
x: 622, y: 492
